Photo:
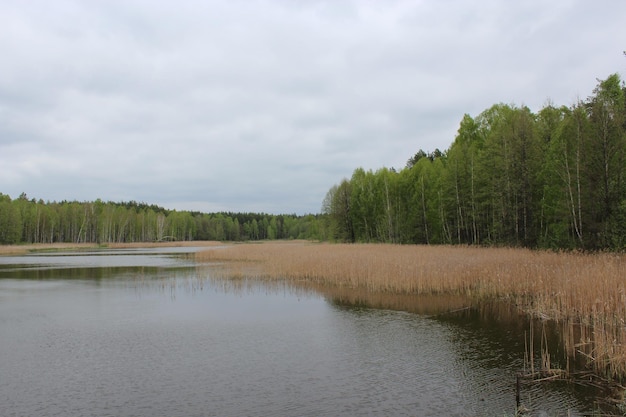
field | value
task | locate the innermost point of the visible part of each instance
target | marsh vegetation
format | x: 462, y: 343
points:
x: 584, y: 292
x: 157, y: 331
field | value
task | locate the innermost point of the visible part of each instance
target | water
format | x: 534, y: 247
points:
x: 149, y: 332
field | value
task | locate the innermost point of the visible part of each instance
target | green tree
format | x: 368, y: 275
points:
x: 363, y: 205
x: 461, y: 180
x: 607, y: 154
x: 509, y: 166
x: 336, y: 206
x: 10, y: 221
x: 272, y: 231
x: 564, y: 130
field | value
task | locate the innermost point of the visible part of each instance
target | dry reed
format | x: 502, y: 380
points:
x: 172, y: 244
x: 26, y: 248
x: 586, y: 289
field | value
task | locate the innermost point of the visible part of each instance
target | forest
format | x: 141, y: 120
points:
x: 553, y: 179
x: 25, y: 220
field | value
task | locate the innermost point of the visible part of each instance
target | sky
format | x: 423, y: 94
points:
x: 262, y: 106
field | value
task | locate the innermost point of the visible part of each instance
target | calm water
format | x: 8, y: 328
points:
x: 149, y: 332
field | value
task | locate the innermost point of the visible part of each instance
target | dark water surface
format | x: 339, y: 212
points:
x: 150, y: 333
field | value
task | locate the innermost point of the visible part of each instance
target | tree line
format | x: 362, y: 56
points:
x: 24, y: 220
x: 552, y: 179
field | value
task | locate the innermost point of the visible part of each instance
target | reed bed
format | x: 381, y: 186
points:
x: 586, y: 289
x: 26, y: 248
x: 172, y: 244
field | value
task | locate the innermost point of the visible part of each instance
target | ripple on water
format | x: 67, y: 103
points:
x: 126, y: 347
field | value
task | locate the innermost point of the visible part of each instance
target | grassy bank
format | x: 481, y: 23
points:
x: 586, y: 290
x: 26, y: 248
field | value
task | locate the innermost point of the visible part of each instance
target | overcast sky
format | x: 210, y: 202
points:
x: 261, y: 106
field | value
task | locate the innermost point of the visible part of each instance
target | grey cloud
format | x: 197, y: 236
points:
x: 263, y: 106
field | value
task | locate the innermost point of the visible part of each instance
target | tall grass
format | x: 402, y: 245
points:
x: 31, y: 247
x: 586, y: 289
x: 25, y: 248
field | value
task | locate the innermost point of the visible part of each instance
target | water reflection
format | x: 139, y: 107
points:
x: 424, y: 305
x: 159, y: 335
x: 494, y: 337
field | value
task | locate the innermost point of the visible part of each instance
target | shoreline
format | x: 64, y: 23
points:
x: 22, y: 249
x: 586, y: 291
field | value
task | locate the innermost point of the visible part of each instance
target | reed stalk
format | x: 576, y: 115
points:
x: 585, y: 289
x: 33, y: 247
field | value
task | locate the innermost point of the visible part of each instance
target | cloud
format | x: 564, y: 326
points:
x: 264, y: 105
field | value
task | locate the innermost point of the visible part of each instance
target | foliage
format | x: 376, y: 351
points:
x: 31, y: 221
x: 555, y: 179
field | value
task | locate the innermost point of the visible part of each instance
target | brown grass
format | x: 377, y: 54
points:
x: 586, y: 289
x: 26, y: 248
x: 182, y: 243
x: 22, y: 249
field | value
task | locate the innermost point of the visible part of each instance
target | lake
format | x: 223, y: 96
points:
x: 146, y: 332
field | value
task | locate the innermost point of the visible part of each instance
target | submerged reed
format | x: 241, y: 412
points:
x: 586, y: 289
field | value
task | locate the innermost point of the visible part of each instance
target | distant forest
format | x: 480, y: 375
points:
x: 554, y: 179
x: 25, y: 220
